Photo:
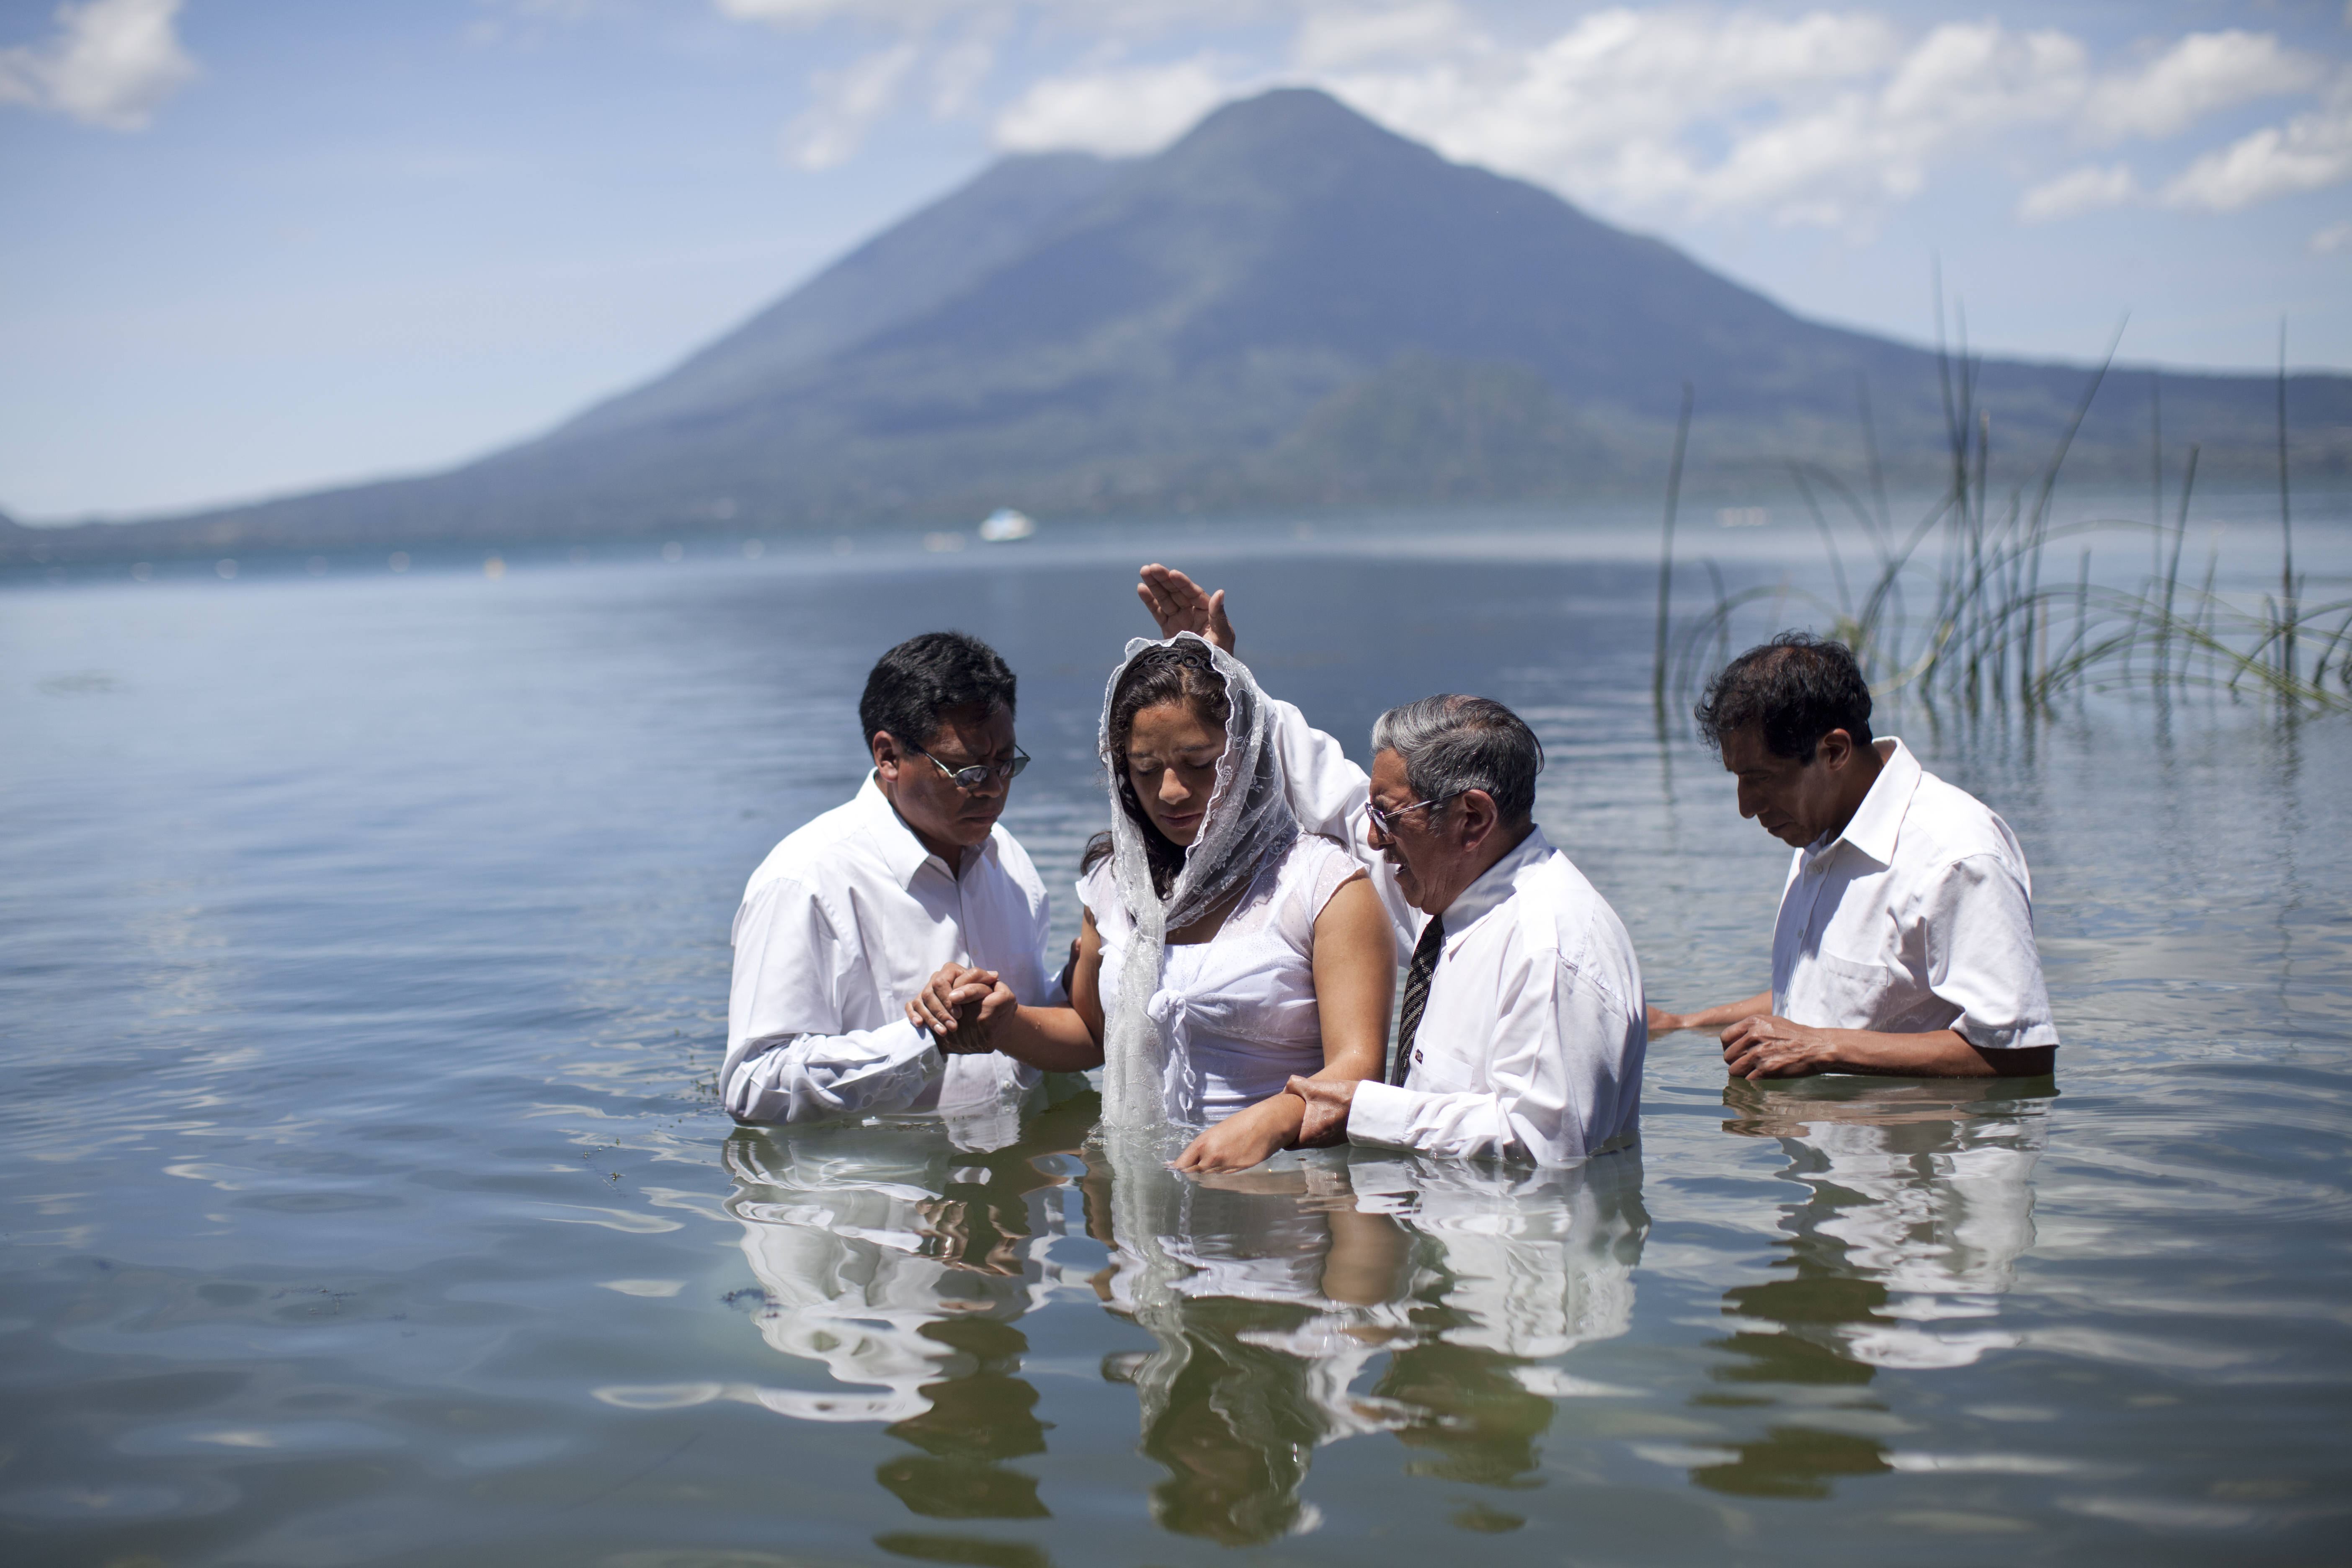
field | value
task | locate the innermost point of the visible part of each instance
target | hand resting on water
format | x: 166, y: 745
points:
x: 1245, y: 1137
x: 1769, y: 1047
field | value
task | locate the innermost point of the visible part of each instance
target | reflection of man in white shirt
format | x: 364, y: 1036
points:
x: 847, y: 917
x: 1522, y: 1034
x: 1905, y: 942
x: 1924, y: 1189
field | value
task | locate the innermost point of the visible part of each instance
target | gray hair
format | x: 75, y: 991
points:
x: 1451, y: 744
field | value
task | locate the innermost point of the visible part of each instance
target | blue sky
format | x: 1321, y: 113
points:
x: 254, y: 245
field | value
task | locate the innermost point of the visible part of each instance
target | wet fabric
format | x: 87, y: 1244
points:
x: 1237, y: 1012
x: 1248, y: 824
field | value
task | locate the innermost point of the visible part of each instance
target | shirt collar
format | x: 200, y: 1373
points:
x: 1494, y: 885
x: 1879, y: 818
x: 901, y: 851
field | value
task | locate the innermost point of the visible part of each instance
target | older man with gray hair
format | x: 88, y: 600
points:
x: 1522, y: 1031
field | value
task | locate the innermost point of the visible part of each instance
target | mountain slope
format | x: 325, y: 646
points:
x: 902, y: 272
x: 1289, y: 304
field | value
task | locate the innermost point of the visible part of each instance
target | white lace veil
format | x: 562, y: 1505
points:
x: 1248, y: 820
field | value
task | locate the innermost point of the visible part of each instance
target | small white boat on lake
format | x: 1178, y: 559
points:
x: 1004, y: 525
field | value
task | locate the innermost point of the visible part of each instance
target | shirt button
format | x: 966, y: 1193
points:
x: 1416, y: 1055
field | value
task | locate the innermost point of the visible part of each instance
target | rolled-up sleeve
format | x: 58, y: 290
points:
x: 1552, y: 1101
x: 1978, y: 917
x: 789, y: 1057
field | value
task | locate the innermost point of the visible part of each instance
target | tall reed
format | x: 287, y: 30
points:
x: 1987, y: 637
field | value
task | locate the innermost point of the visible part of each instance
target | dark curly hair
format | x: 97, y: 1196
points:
x: 1178, y: 672
x: 1799, y: 686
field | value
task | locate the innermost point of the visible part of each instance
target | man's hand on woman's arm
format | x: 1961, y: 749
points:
x: 1327, y: 1103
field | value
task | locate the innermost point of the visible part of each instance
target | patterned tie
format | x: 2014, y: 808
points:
x: 1416, y: 994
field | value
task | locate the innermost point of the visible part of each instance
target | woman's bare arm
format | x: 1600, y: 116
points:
x: 1355, y: 981
x: 1355, y: 976
x: 1059, y: 1039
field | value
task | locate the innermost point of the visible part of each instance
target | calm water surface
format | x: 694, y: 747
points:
x: 362, y: 972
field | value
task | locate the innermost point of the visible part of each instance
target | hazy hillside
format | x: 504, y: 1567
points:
x: 1290, y: 305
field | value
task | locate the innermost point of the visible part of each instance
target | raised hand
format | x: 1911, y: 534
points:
x: 1180, y: 604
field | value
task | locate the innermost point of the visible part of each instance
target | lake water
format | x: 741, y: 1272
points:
x: 362, y: 973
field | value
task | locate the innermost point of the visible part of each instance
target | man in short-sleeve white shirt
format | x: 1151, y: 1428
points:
x: 1905, y: 942
x: 848, y: 916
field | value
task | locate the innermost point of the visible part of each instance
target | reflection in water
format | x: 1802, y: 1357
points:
x: 1270, y: 1294
x: 1523, y: 1265
x: 902, y: 1262
x: 1267, y: 1294
x: 1919, y: 1201
x: 1317, y: 1297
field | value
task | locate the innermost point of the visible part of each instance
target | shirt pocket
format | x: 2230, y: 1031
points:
x: 1436, y: 1070
x: 1861, y: 995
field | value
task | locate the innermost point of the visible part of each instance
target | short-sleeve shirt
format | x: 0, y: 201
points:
x: 1918, y: 917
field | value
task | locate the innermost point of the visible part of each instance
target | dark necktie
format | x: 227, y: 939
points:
x: 1416, y: 994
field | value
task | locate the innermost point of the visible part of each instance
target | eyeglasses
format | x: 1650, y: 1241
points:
x: 1384, y: 822
x: 978, y: 773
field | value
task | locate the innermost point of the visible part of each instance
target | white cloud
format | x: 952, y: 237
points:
x: 2335, y: 237
x: 959, y: 69
x: 2201, y: 74
x: 806, y: 13
x: 1812, y: 119
x: 1669, y: 112
x: 2309, y: 152
x: 110, y: 63
x: 2083, y: 190
x: 1349, y: 36
x: 1117, y: 112
x: 1106, y: 18
x: 848, y: 101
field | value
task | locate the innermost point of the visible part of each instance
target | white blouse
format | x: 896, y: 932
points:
x: 1237, y: 1011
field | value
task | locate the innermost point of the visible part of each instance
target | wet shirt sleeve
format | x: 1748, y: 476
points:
x: 1551, y: 1092
x: 789, y: 1057
x: 1977, y: 918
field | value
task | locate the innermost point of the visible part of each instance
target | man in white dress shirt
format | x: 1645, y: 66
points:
x: 847, y: 917
x: 1521, y: 1034
x: 1905, y: 942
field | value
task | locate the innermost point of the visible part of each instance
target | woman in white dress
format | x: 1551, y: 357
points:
x: 1223, y: 950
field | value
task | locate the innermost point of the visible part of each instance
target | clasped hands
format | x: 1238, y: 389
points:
x: 960, y: 1008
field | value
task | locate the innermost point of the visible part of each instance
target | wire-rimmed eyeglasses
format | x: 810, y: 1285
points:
x: 1384, y: 822
x: 978, y: 773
